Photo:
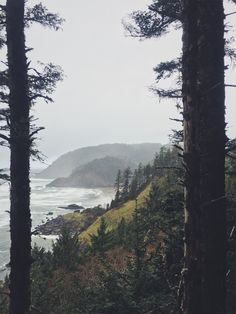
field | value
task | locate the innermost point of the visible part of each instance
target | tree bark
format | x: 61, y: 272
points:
x: 20, y: 219
x: 204, y: 157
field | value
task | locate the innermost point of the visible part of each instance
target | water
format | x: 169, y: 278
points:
x: 44, y: 200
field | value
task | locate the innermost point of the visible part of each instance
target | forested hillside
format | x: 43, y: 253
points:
x: 97, y: 173
x: 120, y: 249
x: 67, y: 163
x: 130, y: 258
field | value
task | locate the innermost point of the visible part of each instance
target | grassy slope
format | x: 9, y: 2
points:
x: 75, y: 217
x: 81, y: 221
x: 114, y: 216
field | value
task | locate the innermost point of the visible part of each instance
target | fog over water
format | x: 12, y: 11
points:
x: 43, y: 201
x: 105, y: 96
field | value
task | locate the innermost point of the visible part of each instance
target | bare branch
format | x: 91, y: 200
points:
x: 5, y: 138
x: 178, y: 147
x: 176, y: 120
x: 228, y: 14
x: 230, y: 85
x: 46, y: 98
x: 36, y: 131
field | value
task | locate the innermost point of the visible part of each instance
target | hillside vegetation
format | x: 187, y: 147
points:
x: 114, y: 216
x: 128, y: 257
x: 97, y: 173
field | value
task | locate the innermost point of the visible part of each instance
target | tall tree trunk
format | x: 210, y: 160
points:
x: 20, y: 220
x: 204, y: 157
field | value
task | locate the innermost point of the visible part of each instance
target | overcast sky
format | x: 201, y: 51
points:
x: 104, y: 97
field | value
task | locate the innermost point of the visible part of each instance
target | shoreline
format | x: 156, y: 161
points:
x: 76, y: 222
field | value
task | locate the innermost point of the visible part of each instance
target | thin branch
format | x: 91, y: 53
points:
x: 36, y: 131
x: 163, y: 14
x: 228, y: 14
x: 178, y: 147
x: 176, y: 120
x: 230, y: 85
x: 4, y: 137
x: 46, y: 98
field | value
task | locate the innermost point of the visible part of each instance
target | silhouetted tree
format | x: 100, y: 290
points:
x: 204, y: 157
x: 202, y: 71
x: 19, y: 103
x: 25, y: 86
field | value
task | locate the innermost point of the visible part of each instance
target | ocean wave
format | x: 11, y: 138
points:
x: 44, y: 200
x: 47, y: 237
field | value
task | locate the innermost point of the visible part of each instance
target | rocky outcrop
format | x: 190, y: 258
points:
x: 73, y: 207
x: 75, y: 222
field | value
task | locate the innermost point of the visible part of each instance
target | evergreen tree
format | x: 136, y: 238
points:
x: 122, y: 233
x: 126, y: 183
x: 134, y: 185
x: 147, y: 172
x: 66, y: 250
x: 231, y: 234
x: 23, y: 92
x: 20, y: 221
x: 101, y: 241
x: 204, y: 157
x: 140, y: 177
x: 118, y: 186
x: 202, y: 69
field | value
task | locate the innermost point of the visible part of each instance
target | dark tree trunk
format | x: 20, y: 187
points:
x: 204, y: 157
x: 20, y: 220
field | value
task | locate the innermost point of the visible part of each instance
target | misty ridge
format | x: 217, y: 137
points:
x: 97, y: 166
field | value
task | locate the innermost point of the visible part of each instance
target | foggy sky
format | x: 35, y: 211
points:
x: 104, y: 97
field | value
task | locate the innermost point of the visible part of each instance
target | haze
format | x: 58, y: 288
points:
x: 104, y: 97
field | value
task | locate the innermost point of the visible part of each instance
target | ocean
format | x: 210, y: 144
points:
x: 45, y: 200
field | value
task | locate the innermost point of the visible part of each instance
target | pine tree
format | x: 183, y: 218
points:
x: 66, y: 250
x: 134, y: 184
x: 147, y: 172
x: 118, y: 186
x: 204, y: 157
x: 140, y: 177
x: 24, y: 90
x: 126, y: 183
x: 202, y: 74
x: 101, y: 241
x: 20, y: 222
